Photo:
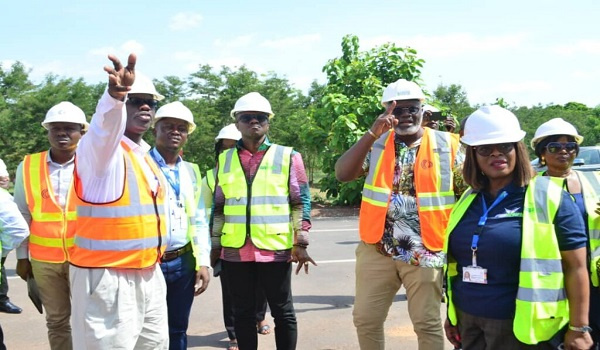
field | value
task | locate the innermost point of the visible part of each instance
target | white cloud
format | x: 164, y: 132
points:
x: 524, y: 86
x: 130, y: 46
x: 584, y: 46
x: 586, y: 74
x: 237, y: 42
x: 185, y: 20
x: 292, y: 41
x: 452, y: 44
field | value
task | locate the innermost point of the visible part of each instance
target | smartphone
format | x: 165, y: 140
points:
x: 217, y: 268
x: 437, y: 116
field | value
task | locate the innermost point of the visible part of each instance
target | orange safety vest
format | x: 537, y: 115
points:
x: 127, y: 233
x: 52, y: 228
x: 434, y: 186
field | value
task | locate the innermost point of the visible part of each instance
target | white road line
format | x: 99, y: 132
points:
x: 336, y: 261
x: 336, y: 230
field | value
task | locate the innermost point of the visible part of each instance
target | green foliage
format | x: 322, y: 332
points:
x: 351, y: 102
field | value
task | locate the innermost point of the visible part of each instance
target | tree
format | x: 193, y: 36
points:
x: 351, y: 101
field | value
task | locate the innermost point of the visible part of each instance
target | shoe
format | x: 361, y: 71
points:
x: 9, y: 308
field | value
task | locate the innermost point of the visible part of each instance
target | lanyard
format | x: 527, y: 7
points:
x: 173, y: 180
x: 482, y: 221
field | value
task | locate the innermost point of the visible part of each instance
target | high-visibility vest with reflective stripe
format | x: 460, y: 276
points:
x: 590, y: 182
x: 541, y: 302
x: 258, y: 208
x: 210, y: 179
x: 52, y: 228
x: 434, y: 186
x: 194, y: 172
x: 129, y: 232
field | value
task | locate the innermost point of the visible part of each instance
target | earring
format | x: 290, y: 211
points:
x: 482, y: 173
x: 543, y: 161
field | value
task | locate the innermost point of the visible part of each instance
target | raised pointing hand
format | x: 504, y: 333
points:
x: 120, y: 78
x: 385, y: 121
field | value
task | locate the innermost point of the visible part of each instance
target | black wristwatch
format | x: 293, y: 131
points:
x: 582, y: 329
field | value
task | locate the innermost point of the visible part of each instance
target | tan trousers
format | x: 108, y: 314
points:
x: 53, y: 283
x: 119, y: 309
x: 378, y: 279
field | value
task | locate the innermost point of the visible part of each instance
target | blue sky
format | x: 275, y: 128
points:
x: 528, y: 51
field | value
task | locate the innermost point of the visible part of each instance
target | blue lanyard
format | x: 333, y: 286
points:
x: 483, y: 219
x: 174, y: 182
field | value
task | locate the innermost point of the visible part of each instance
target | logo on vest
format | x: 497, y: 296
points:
x: 426, y: 164
x: 45, y: 193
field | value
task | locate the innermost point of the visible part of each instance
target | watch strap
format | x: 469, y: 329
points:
x: 582, y: 329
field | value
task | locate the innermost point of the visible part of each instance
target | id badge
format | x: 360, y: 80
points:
x: 474, y: 274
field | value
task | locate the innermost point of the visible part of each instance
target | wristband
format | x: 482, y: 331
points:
x: 301, y: 245
x: 582, y: 329
x: 372, y: 134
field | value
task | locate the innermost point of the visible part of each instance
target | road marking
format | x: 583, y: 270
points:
x: 336, y: 230
x: 336, y: 261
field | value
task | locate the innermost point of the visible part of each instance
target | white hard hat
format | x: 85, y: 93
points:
x: 491, y: 125
x: 229, y: 132
x: 556, y: 126
x: 430, y: 108
x: 178, y: 111
x: 3, y: 169
x: 65, y: 112
x: 252, y: 101
x: 402, y: 89
x: 143, y: 85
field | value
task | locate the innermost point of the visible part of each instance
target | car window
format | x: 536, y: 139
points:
x: 590, y: 156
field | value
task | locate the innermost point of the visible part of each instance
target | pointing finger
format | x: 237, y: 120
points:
x: 390, y: 108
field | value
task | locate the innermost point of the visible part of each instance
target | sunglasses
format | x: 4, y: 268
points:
x: 248, y: 117
x: 486, y: 150
x: 138, y: 102
x: 410, y: 110
x: 555, y: 147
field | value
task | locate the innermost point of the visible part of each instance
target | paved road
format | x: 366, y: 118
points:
x: 323, y: 301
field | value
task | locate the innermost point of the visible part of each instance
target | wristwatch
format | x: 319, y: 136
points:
x: 582, y: 329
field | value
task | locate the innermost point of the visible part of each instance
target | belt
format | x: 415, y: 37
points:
x: 174, y: 254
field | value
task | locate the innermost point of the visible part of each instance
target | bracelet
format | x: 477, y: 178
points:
x: 301, y: 245
x: 372, y: 134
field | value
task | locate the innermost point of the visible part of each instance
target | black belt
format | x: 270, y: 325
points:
x: 174, y: 254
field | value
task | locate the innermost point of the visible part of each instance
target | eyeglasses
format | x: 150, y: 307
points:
x: 138, y: 102
x: 410, y: 110
x: 486, y: 150
x: 248, y: 117
x: 555, y: 147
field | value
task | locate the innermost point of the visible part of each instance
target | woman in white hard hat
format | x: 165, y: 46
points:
x: 227, y: 138
x: 556, y: 143
x: 523, y: 244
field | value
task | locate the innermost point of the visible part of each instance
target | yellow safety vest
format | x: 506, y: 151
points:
x: 541, y: 302
x: 258, y: 208
x: 191, y: 204
x: 52, y: 228
x: 590, y: 182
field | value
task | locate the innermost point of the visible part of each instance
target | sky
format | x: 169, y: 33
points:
x: 528, y: 52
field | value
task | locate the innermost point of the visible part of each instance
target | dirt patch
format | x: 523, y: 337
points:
x: 333, y: 211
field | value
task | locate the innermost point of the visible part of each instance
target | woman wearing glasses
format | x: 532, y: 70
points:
x: 523, y: 244
x: 556, y: 143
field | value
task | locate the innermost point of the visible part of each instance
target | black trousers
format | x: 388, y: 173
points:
x: 275, y: 279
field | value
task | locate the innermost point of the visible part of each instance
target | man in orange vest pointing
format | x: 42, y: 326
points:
x: 119, y: 292
x: 43, y: 193
x: 411, y: 181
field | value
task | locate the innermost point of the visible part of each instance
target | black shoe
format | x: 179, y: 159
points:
x: 9, y: 308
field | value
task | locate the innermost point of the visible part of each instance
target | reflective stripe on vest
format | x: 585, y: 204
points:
x: 262, y: 210
x: 590, y: 181
x: 210, y: 179
x: 52, y: 228
x: 434, y: 186
x: 541, y: 304
x: 194, y: 173
x: 126, y: 233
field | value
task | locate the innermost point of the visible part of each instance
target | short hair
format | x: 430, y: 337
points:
x: 541, y: 145
x: 475, y: 178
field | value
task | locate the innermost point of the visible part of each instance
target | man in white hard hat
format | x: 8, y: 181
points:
x: 407, y: 197
x: 13, y: 230
x: 261, y: 220
x: 433, y: 118
x: 119, y: 292
x: 5, y: 304
x: 44, y: 191
x: 187, y: 257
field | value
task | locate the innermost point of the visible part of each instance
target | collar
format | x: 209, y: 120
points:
x: 49, y: 159
x: 161, y: 161
x: 142, y: 148
x: 264, y: 146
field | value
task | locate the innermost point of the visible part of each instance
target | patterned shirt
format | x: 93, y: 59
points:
x: 402, y: 232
